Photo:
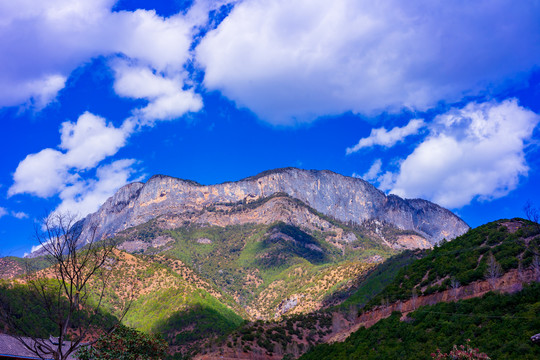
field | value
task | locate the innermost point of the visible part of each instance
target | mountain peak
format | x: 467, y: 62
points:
x: 346, y: 199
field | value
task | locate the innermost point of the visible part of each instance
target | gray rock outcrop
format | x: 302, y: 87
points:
x: 344, y: 198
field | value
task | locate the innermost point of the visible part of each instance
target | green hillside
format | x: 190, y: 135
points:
x: 185, y: 319
x: 29, y: 316
x: 465, y: 259
x: 376, y: 280
x: 257, y: 266
x: 199, y: 286
x: 499, y: 325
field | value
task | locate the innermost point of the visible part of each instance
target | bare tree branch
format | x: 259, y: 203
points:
x: 414, y: 298
x: 535, y: 266
x: 71, y: 290
x: 493, y: 271
x: 454, y: 284
x: 532, y: 213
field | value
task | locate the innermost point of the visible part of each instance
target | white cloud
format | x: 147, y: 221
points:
x: 86, y: 143
x: 40, y: 92
x: 86, y: 196
x: 19, y: 214
x: 167, y: 99
x: 388, y: 138
x: 373, y: 171
x: 291, y: 61
x: 40, y: 174
x: 83, y: 146
x: 90, y: 140
x: 473, y: 152
x: 41, y: 43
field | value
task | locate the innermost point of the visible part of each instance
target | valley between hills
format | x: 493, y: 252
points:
x: 293, y: 263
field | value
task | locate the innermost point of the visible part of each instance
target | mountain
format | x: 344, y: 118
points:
x: 287, y: 243
x: 345, y: 199
x: 270, y: 291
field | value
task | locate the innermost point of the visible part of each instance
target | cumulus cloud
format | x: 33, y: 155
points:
x: 373, y: 171
x: 388, y: 138
x: 86, y: 143
x: 292, y: 61
x: 90, y: 140
x: 86, y: 196
x: 83, y: 146
x: 3, y: 211
x: 474, y: 152
x: 19, y: 214
x: 167, y: 99
x: 41, y: 43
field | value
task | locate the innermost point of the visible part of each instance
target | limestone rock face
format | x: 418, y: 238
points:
x: 344, y: 198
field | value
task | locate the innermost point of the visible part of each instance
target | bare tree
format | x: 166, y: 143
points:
x: 535, y: 266
x: 454, y: 284
x: 532, y: 213
x: 385, y: 304
x: 336, y: 322
x: 493, y: 271
x: 520, y: 269
x: 352, y: 313
x: 414, y: 298
x: 71, y: 290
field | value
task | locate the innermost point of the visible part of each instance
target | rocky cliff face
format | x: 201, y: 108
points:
x: 344, y: 198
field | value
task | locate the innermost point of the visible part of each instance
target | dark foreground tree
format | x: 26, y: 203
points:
x: 68, y: 294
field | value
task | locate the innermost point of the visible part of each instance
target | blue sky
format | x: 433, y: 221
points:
x: 430, y: 99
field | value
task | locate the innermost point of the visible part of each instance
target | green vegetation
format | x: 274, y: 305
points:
x: 192, y: 315
x: 244, y: 260
x: 18, y: 301
x: 465, y: 259
x: 29, y: 315
x: 377, y: 279
x: 276, y: 338
x: 500, y: 325
x: 27, y: 264
x: 197, y: 291
x: 126, y: 344
x: 278, y: 251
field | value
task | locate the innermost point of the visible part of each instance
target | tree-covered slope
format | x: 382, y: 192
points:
x: 162, y: 301
x: 499, y: 325
x: 266, y: 269
x: 378, y: 278
x: 512, y: 243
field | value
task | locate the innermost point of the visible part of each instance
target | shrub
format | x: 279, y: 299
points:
x: 461, y: 352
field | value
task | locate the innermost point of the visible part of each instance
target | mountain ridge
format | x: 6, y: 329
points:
x: 347, y: 199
